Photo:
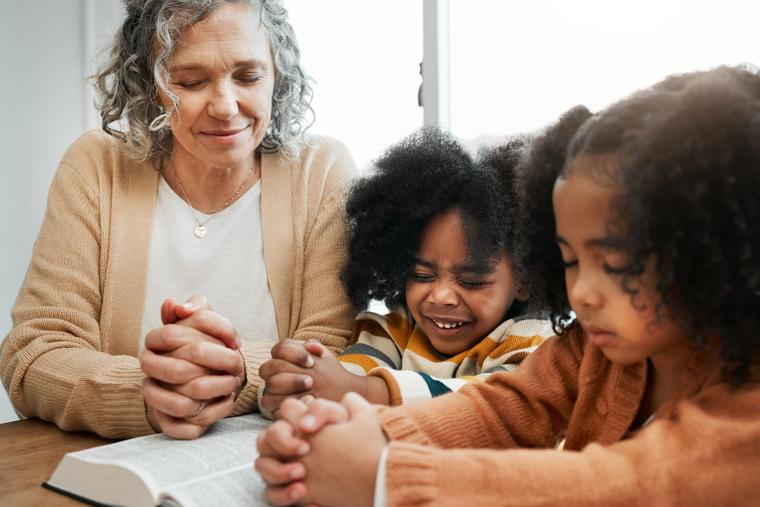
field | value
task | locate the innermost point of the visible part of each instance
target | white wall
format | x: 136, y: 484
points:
x: 43, y: 108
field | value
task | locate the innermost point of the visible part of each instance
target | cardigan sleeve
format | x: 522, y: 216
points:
x: 321, y: 310
x: 528, y: 408
x: 254, y: 355
x: 53, y: 361
x: 325, y: 311
x: 706, y: 453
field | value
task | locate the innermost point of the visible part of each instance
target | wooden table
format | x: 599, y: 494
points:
x: 29, y: 452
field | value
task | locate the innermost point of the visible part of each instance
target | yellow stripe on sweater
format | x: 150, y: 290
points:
x: 392, y: 325
x: 511, y: 344
x: 367, y: 363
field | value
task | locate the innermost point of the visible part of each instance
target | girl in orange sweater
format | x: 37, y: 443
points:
x: 646, y: 238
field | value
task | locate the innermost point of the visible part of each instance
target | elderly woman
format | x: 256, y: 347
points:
x: 201, y: 183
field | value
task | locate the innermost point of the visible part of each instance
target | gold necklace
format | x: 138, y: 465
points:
x: 200, y: 226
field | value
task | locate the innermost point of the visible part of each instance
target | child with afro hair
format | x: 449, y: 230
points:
x: 431, y: 234
x: 645, y: 244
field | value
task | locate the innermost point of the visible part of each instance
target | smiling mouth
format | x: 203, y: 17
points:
x: 447, y: 325
x: 224, y: 133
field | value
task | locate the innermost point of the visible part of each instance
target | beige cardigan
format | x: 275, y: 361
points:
x: 71, y: 356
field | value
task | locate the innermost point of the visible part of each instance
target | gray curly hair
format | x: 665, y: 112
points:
x: 127, y: 85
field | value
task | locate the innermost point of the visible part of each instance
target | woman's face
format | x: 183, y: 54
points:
x: 223, y: 74
x: 454, y: 302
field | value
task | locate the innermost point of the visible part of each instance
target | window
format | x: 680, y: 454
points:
x: 364, y: 58
x: 517, y: 65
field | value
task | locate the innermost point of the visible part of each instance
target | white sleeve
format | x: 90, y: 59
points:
x: 381, y: 498
x: 409, y: 386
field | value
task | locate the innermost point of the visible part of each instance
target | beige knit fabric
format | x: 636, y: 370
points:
x: 701, y: 449
x: 71, y: 355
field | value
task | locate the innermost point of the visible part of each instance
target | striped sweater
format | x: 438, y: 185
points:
x: 393, y: 347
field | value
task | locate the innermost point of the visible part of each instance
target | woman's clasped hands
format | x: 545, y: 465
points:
x: 194, y: 369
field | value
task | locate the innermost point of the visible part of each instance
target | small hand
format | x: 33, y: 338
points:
x: 300, y: 369
x: 340, y: 462
x: 282, y: 443
x: 340, y: 382
x: 290, y: 363
x: 277, y: 446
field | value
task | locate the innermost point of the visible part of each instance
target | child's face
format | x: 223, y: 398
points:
x: 454, y: 305
x: 625, y: 329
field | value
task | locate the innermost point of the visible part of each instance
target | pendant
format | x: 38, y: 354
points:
x: 200, y: 231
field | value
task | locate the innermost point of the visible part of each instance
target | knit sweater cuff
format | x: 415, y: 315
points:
x: 411, y: 475
x: 397, y: 425
x: 394, y: 392
x: 121, y: 412
x: 254, y: 354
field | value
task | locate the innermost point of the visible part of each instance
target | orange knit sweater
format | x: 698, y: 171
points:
x: 702, y: 448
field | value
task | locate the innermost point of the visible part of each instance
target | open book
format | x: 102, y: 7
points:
x: 216, y: 469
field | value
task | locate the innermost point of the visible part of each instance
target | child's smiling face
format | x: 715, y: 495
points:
x: 625, y: 329
x: 454, y: 303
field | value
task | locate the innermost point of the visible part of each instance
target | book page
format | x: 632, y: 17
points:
x: 163, y: 462
x: 239, y: 487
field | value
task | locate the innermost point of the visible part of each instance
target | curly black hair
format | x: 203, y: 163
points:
x: 421, y: 177
x: 687, y: 179
x: 535, y: 248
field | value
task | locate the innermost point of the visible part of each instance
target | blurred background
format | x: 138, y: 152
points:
x: 493, y: 68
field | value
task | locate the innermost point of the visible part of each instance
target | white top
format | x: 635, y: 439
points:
x: 381, y: 495
x: 226, y: 266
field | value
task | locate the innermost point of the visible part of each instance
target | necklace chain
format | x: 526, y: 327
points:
x: 200, y: 226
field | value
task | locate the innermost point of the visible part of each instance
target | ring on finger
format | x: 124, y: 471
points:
x: 198, y: 410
